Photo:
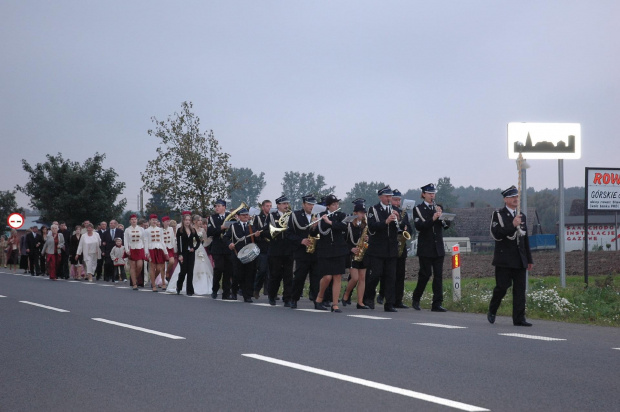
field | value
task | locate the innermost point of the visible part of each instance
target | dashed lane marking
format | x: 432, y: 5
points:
x: 43, y: 306
x: 313, y: 310
x: 521, y: 335
x: 2, y: 296
x: 263, y: 304
x: 368, y: 317
x: 138, y: 328
x: 370, y: 384
x: 439, y: 325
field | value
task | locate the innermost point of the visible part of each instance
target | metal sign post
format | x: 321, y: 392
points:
x: 562, y: 228
x: 456, y: 273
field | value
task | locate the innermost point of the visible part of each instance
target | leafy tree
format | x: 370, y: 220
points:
x: 245, y: 186
x: 64, y: 190
x: 364, y: 190
x: 295, y: 185
x: 157, y: 204
x: 445, y: 194
x: 546, y: 204
x: 190, y: 167
x: 8, y: 205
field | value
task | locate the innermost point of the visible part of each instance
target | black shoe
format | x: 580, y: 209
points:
x: 256, y: 294
x: 438, y: 308
x: 380, y: 300
x: 491, y: 317
x: 401, y: 306
x: 178, y: 291
x: 214, y: 295
x: 293, y: 305
x: 272, y: 302
x: 389, y: 309
x: 248, y: 300
x: 287, y: 304
x: 319, y: 306
x: 415, y: 304
x: 344, y: 302
x: 190, y: 294
x: 362, y: 306
x: 522, y: 323
x: 277, y: 298
x: 337, y: 310
x: 233, y: 297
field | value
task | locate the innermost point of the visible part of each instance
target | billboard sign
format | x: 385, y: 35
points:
x: 603, y: 188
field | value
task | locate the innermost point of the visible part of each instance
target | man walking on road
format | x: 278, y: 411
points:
x: 512, y: 257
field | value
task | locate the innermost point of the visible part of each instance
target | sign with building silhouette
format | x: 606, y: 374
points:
x: 544, y: 140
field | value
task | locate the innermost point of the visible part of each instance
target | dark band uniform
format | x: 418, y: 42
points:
x: 222, y: 259
x: 354, y: 231
x: 431, y: 250
x: 401, y: 263
x: 382, y: 253
x: 280, y: 260
x: 332, y: 249
x: 305, y: 263
x: 261, y: 221
x: 243, y: 273
x: 511, y: 258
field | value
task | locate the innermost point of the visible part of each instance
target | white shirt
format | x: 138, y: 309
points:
x: 134, y: 238
x: 154, y: 238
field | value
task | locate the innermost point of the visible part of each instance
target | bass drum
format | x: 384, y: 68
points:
x: 248, y: 253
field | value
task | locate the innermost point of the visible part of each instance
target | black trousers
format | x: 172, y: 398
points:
x: 108, y: 269
x: 262, y: 273
x: 244, y: 276
x: 399, y: 284
x: 119, y: 272
x: 430, y: 266
x: 281, y: 270
x: 64, y: 265
x: 99, y: 268
x: 35, y: 262
x: 187, y: 269
x: 222, y: 271
x: 504, y: 278
x: 383, y: 269
x: 303, y: 268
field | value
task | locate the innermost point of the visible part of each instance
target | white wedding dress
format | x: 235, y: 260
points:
x: 203, y: 273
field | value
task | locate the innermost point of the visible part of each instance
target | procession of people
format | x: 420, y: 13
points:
x: 233, y: 254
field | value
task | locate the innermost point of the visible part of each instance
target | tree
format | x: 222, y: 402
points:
x: 8, y: 205
x: 64, y: 190
x: 190, y: 167
x: 245, y: 186
x: 157, y: 204
x: 364, y: 190
x: 445, y: 194
x: 295, y: 185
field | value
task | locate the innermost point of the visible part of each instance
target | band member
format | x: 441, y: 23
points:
x: 156, y: 251
x: 187, y: 242
x: 357, y: 239
x: 512, y: 257
x: 134, y: 247
x: 304, y: 244
x: 382, y: 249
x: 170, y: 243
x: 262, y: 261
x: 404, y: 225
x: 240, y: 234
x: 222, y: 270
x: 280, y: 255
x: 332, y: 251
x: 431, y: 252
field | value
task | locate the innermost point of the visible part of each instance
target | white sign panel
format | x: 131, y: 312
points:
x: 603, y: 189
x: 544, y: 140
x: 600, y: 235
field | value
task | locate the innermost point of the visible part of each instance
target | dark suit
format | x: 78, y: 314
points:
x: 401, y: 263
x: 511, y: 258
x: 280, y: 263
x: 98, y: 270
x: 64, y: 255
x: 243, y: 272
x: 431, y: 251
x: 305, y: 263
x: 186, y: 242
x: 223, y: 267
x: 382, y: 254
x: 108, y: 239
x: 34, y: 242
x: 261, y: 280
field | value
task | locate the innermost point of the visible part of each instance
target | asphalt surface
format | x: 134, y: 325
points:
x: 299, y: 360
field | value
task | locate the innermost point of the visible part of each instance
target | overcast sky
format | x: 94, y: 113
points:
x: 399, y: 91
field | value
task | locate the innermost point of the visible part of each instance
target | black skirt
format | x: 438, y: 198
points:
x: 358, y: 265
x: 332, y: 265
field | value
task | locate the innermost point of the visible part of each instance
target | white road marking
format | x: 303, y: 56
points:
x: 439, y: 325
x: 88, y: 283
x: 42, y: 306
x: 227, y: 300
x: 520, y: 335
x: 616, y: 348
x: 74, y: 281
x: 2, y: 296
x: 370, y: 384
x: 196, y: 296
x: 109, y: 286
x: 124, y: 325
x: 313, y: 310
x: 262, y: 304
x: 123, y: 287
x: 368, y: 317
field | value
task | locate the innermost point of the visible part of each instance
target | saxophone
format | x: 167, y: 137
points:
x: 362, y: 245
x: 403, y: 236
x: 312, y: 247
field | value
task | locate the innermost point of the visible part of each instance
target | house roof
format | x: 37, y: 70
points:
x: 474, y: 223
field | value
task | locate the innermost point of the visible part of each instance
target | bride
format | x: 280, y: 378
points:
x: 203, y: 269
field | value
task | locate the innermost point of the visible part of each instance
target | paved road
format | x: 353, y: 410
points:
x: 218, y: 355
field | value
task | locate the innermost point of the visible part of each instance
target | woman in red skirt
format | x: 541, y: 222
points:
x: 134, y: 247
x: 156, y: 252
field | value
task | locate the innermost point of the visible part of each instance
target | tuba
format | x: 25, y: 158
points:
x: 232, y: 214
